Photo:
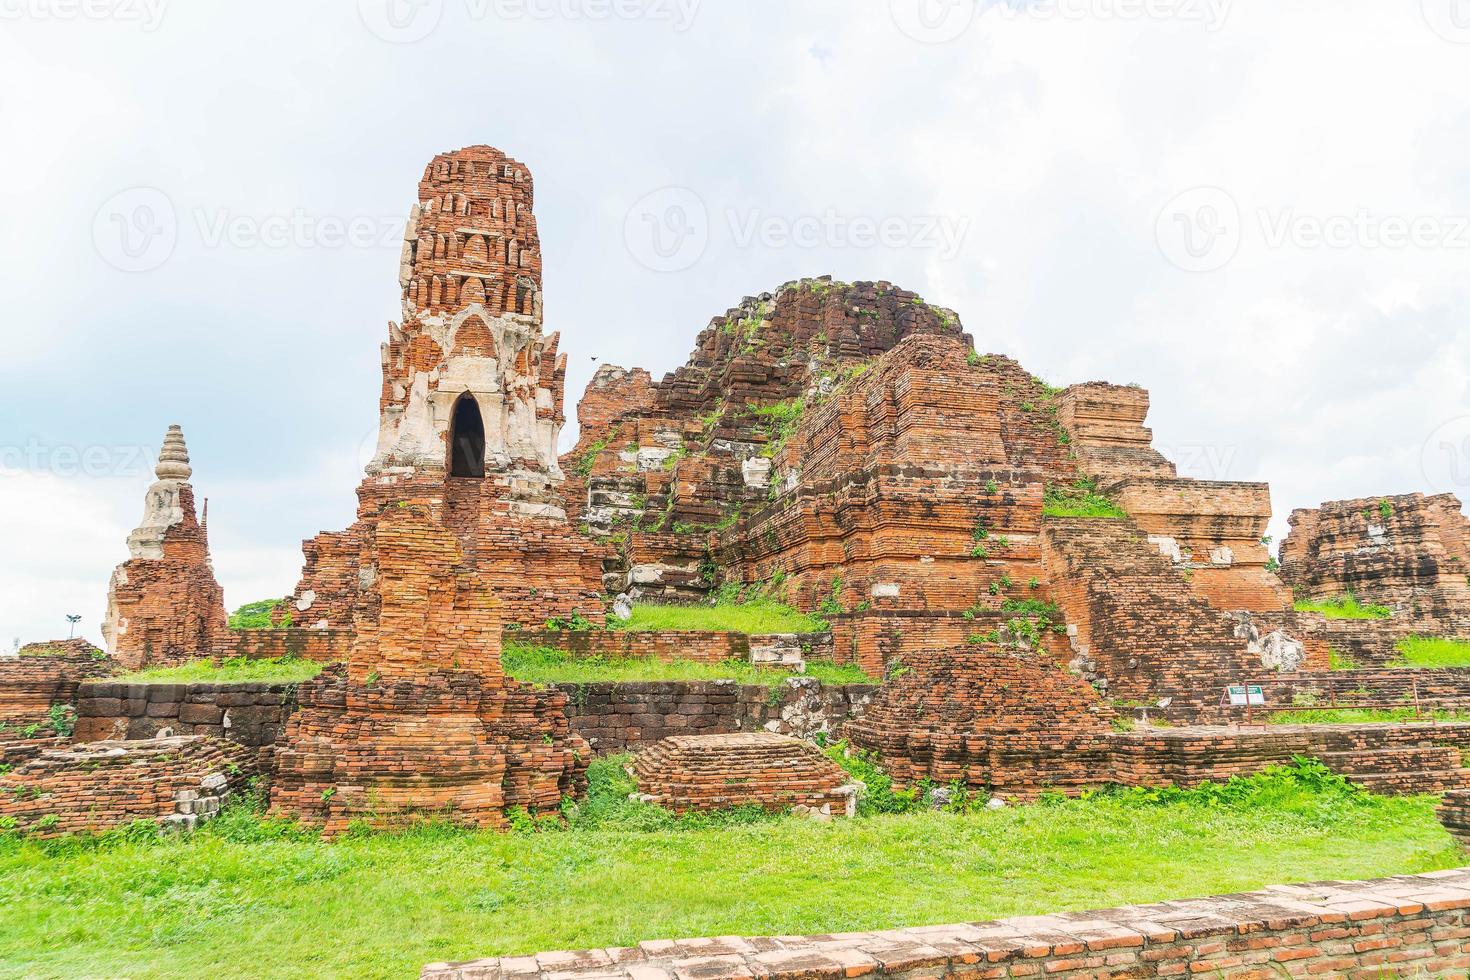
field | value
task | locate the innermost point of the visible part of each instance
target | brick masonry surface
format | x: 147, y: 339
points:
x: 1407, y: 926
x: 715, y: 772
x: 251, y: 715
x: 709, y: 647
x: 616, y: 717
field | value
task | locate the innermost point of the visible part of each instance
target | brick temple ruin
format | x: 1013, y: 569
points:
x: 841, y: 447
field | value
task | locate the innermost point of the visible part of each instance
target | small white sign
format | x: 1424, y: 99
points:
x: 1242, y: 696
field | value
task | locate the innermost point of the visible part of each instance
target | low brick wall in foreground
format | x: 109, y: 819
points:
x: 1408, y: 926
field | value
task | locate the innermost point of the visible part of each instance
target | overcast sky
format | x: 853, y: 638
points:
x: 1259, y: 211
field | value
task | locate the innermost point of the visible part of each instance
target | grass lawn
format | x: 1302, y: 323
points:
x: 754, y: 616
x: 545, y: 665
x: 287, y: 670
x: 1423, y: 651
x: 1344, y: 607
x: 251, y: 897
x: 1357, y: 716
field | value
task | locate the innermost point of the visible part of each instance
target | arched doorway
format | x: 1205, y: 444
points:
x: 466, y: 438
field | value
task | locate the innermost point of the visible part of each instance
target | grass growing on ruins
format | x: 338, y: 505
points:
x: 755, y: 615
x: 286, y: 670
x: 548, y: 665
x: 257, y: 897
x: 1344, y: 606
x: 1081, y: 499
x: 1358, y: 716
x: 1425, y: 651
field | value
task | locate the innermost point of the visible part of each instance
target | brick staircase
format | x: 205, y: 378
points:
x: 1135, y: 623
x: 1420, y: 766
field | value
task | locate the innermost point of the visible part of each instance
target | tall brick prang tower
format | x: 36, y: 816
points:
x: 470, y: 409
x: 163, y: 603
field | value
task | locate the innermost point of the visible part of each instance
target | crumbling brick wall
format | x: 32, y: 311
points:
x: 422, y: 721
x: 97, y: 787
x: 1410, y: 553
x: 1104, y: 423
x: 707, y: 647
x: 31, y: 683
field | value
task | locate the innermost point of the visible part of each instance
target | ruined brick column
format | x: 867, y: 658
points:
x: 470, y: 407
x: 423, y: 723
x: 163, y: 604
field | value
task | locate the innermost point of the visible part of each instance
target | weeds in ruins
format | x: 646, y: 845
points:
x: 547, y: 665
x: 285, y: 670
x: 246, y: 890
x: 1356, y: 716
x: 1080, y: 499
x: 1429, y: 652
x: 1345, y: 606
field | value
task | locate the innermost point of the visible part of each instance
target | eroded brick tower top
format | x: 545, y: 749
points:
x: 472, y: 237
x: 471, y: 387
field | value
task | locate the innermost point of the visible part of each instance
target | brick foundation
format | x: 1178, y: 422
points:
x: 716, y: 772
x: 668, y: 646
x: 1408, y: 926
x: 618, y: 717
x: 99, y: 786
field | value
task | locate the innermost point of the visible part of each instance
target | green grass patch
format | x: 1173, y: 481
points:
x: 1344, y: 606
x: 1425, y: 651
x: 547, y: 665
x: 254, y: 895
x: 1080, y: 499
x: 257, y: 615
x: 1359, y: 716
x: 757, y: 615
x: 286, y: 670
x: 1337, y: 660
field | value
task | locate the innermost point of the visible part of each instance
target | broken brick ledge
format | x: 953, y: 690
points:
x: 1411, y: 925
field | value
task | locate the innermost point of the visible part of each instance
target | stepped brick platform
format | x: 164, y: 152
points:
x: 102, y: 785
x: 248, y: 714
x: 1142, y: 631
x: 1408, y: 552
x: 1105, y: 425
x: 715, y: 772
x: 422, y: 722
x: 1406, y: 926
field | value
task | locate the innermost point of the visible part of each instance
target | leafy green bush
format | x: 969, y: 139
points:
x: 257, y: 615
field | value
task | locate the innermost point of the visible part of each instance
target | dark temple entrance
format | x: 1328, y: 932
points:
x: 466, y: 439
